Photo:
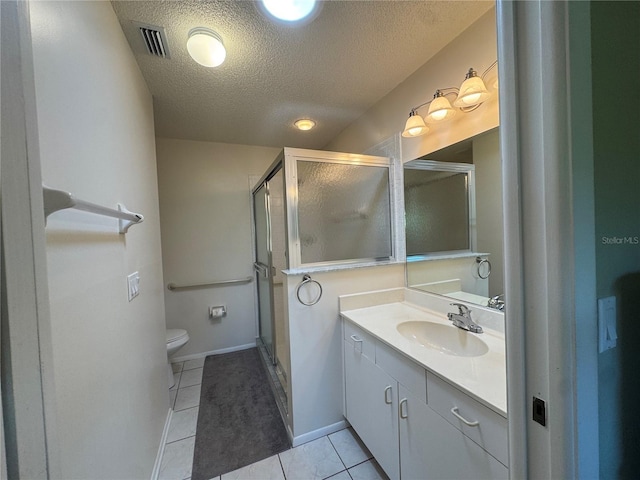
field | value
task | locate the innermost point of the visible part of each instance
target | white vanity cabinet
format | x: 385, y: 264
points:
x: 371, y: 401
x: 403, y: 414
x: 432, y: 448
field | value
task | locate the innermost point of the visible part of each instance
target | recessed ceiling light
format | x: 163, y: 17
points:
x: 289, y: 10
x: 304, y: 124
x: 205, y: 47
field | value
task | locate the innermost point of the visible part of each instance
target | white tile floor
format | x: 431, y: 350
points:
x: 339, y: 456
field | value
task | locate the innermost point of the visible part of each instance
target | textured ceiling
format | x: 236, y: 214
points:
x: 332, y: 69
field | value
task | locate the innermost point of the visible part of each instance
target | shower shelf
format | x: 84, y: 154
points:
x: 56, y: 200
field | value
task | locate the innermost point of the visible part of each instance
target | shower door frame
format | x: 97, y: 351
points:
x: 275, y: 167
x: 291, y: 157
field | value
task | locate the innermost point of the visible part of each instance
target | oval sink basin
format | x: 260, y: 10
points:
x: 443, y: 338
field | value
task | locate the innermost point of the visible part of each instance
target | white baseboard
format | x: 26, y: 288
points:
x: 163, y: 441
x: 195, y: 356
x: 321, y: 432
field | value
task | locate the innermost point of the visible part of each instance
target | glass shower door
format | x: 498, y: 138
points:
x: 262, y: 267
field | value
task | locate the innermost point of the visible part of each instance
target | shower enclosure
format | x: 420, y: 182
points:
x: 312, y: 209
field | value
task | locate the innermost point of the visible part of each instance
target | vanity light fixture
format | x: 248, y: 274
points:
x: 415, y: 126
x: 471, y: 94
x: 440, y: 109
x: 205, y: 47
x: 304, y: 124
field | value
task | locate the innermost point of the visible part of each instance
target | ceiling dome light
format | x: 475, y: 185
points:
x: 304, y: 124
x: 205, y: 47
x: 289, y: 10
x: 472, y: 91
x: 415, y: 126
x: 440, y: 109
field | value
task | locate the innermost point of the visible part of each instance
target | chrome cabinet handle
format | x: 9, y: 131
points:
x: 355, y: 338
x: 403, y: 402
x: 469, y: 423
x: 387, y: 398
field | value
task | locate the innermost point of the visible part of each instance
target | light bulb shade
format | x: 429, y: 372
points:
x: 290, y: 10
x: 205, y: 47
x: 304, y: 124
x: 472, y: 92
x: 415, y: 126
x: 440, y: 110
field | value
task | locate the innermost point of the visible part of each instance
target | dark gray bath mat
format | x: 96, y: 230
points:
x: 238, y: 420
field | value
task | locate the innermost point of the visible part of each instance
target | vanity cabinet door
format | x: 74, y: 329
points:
x: 431, y: 448
x: 371, y: 406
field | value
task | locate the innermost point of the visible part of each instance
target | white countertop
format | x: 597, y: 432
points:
x: 482, y: 377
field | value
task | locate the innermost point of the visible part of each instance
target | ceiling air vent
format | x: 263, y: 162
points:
x: 154, y: 40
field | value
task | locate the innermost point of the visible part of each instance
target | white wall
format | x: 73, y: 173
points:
x: 316, y: 387
x: 206, y: 235
x: 95, y: 121
x: 475, y: 47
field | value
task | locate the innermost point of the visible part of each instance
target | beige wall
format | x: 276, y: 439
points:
x: 475, y: 47
x: 315, y: 332
x: 464, y: 269
x: 206, y: 235
x: 488, y: 162
x: 95, y: 121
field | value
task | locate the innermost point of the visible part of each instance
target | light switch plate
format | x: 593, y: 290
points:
x: 133, y: 285
x: 607, y: 333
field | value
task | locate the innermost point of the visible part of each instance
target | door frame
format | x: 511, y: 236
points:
x: 536, y: 151
x: 264, y: 182
x: 26, y: 364
x: 545, y: 255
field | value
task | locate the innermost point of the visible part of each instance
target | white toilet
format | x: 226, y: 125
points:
x: 176, y: 338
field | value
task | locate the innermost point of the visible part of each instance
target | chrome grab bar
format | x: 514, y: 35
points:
x: 173, y: 287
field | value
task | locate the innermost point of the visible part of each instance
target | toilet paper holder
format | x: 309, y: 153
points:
x: 217, y: 311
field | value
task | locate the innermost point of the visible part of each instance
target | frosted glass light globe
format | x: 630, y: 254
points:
x: 205, y: 47
x: 289, y: 10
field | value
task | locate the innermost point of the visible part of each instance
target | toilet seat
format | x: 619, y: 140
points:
x: 174, y: 334
x: 176, y: 338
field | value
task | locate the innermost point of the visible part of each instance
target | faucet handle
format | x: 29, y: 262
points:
x: 462, y: 309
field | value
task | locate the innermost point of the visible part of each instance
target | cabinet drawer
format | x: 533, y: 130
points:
x: 405, y: 371
x: 361, y: 341
x: 490, y: 432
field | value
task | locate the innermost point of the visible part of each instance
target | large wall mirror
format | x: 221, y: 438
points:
x: 453, y: 219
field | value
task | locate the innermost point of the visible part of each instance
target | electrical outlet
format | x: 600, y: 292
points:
x: 133, y: 285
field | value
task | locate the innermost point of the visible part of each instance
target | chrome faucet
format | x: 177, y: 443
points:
x: 462, y: 319
x: 496, y: 302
